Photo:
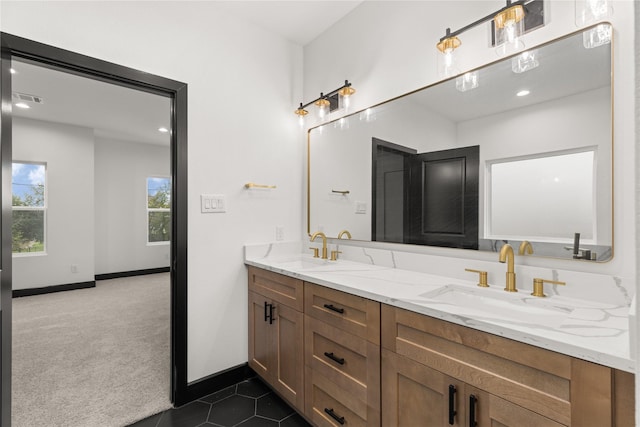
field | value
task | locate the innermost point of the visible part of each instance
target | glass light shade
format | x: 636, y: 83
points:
x: 447, y: 62
x: 598, y: 36
x: 591, y: 11
x: 301, y: 113
x: 323, y: 108
x: 467, y: 81
x: 508, y: 28
x: 525, y: 61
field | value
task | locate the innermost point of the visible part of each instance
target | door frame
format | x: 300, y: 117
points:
x: 52, y: 57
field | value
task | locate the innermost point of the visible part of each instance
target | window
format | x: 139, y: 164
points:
x: 29, y: 204
x: 158, y: 209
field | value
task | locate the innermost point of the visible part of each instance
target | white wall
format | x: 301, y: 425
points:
x: 244, y: 83
x: 68, y: 153
x: 121, y: 171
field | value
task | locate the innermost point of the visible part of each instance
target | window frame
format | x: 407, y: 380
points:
x: 44, y: 208
x: 149, y: 210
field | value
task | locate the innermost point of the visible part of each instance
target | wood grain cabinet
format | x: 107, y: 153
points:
x: 276, y: 331
x: 497, y: 381
x: 342, y: 358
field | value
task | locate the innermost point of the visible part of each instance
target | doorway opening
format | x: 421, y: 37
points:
x: 16, y: 48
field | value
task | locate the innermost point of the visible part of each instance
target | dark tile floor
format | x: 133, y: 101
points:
x: 249, y: 403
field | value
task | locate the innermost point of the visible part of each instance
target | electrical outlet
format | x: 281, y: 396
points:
x: 279, y: 233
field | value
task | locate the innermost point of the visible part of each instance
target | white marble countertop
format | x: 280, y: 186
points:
x: 592, y: 331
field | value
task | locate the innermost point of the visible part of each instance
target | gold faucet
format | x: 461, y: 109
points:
x: 506, y: 255
x: 324, y: 242
x: 525, y: 246
x: 344, y: 232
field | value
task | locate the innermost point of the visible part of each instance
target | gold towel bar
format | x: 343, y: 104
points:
x: 254, y: 185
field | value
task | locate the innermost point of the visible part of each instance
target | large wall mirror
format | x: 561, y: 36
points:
x: 517, y: 151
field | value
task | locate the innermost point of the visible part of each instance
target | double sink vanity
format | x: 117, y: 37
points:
x: 350, y: 343
x: 369, y: 336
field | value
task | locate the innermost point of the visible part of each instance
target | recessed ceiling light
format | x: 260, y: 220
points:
x: 12, y: 70
x: 22, y: 105
x: 163, y: 130
x: 523, y: 93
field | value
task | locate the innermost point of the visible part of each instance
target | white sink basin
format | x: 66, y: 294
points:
x: 496, y: 304
x: 302, y: 263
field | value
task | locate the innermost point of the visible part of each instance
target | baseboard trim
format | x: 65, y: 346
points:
x: 17, y: 293
x: 216, y: 382
x: 132, y: 273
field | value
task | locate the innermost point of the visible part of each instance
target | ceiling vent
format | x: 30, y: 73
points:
x: 28, y: 98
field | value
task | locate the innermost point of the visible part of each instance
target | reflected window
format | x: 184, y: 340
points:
x: 544, y: 198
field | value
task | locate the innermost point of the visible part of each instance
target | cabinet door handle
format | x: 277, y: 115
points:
x: 331, y: 356
x: 452, y: 410
x: 334, y: 308
x: 268, y: 312
x: 334, y: 416
x: 473, y: 400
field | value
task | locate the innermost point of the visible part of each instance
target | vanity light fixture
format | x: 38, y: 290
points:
x: 326, y: 103
x: 508, y: 25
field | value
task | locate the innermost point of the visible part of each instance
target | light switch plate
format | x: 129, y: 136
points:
x: 213, y: 203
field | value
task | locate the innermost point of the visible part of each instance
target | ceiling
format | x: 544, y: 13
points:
x: 109, y: 108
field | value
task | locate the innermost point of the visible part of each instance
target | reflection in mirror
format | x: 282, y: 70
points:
x: 524, y: 153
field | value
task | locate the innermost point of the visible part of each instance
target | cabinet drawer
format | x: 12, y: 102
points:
x: 534, y: 378
x: 324, y: 397
x: 283, y: 289
x: 356, y: 315
x: 351, y: 362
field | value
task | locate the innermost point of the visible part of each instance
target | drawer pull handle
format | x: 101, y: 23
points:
x: 333, y: 308
x: 473, y: 400
x: 268, y: 312
x: 339, y: 360
x: 334, y: 416
x: 452, y: 410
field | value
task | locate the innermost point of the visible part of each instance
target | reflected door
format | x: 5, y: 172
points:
x: 443, y: 198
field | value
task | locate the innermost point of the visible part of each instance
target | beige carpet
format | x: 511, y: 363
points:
x: 95, y: 357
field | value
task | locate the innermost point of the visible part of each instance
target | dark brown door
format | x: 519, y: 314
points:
x: 443, y: 198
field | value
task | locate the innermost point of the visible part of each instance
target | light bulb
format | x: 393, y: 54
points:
x: 590, y: 11
x: 447, y: 66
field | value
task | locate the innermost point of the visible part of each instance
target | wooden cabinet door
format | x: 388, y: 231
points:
x: 276, y: 346
x: 488, y: 410
x: 260, y: 336
x: 416, y: 395
x: 287, y: 335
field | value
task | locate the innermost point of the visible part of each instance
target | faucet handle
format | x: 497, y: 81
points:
x: 482, y: 277
x: 538, y: 286
x: 316, y: 252
x: 334, y: 255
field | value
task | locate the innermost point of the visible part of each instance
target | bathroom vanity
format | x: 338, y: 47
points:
x: 347, y: 343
